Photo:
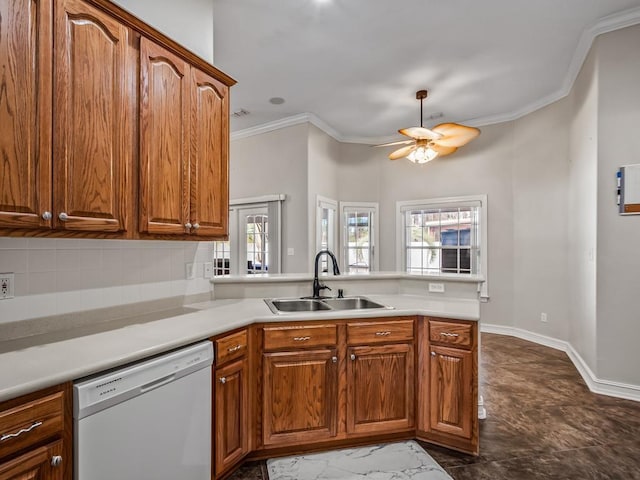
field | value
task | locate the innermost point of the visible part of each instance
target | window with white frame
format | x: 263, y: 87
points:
x: 443, y: 236
x: 359, y: 239
x: 326, y: 229
x: 254, y: 238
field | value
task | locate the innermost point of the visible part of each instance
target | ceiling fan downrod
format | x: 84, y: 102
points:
x: 421, y: 95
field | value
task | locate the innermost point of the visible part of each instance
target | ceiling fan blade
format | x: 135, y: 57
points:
x: 420, y: 133
x: 454, y: 134
x: 402, y: 152
x: 393, y: 143
x: 442, y: 151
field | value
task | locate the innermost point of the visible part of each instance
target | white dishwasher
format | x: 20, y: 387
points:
x: 148, y: 421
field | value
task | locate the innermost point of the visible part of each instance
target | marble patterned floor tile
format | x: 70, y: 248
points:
x: 391, y: 461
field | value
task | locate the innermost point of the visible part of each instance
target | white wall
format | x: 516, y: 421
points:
x: 188, y: 22
x: 540, y: 160
x: 277, y: 162
x: 618, y: 256
x: 583, y: 218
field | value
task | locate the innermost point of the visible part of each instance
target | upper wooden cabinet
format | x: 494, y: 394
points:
x: 128, y: 101
x: 164, y: 140
x: 25, y: 113
x: 92, y: 134
x: 184, y: 131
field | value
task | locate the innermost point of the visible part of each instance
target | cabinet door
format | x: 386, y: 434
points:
x: 209, y: 156
x: 25, y: 113
x: 451, y: 400
x: 380, y: 386
x: 37, y: 464
x: 299, y: 397
x: 93, y: 138
x: 231, y: 415
x: 164, y: 141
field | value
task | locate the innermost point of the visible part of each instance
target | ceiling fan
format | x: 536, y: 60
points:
x: 427, y: 144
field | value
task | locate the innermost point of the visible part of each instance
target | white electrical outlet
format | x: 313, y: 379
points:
x: 6, y: 285
x: 543, y: 317
x: 208, y: 269
x: 190, y: 271
x: 436, y: 287
x: 290, y: 252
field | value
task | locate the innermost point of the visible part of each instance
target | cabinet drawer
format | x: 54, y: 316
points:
x: 231, y: 347
x: 451, y: 333
x: 32, y: 422
x: 379, y: 332
x: 299, y: 336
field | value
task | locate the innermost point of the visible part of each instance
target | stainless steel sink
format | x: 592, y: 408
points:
x: 352, y: 303
x: 296, y: 305
x: 288, y: 305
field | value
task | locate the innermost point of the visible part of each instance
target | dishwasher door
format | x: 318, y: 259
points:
x: 151, y: 421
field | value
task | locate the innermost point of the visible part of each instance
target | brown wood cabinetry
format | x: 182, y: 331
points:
x: 35, y: 436
x: 448, y: 383
x: 93, y: 143
x: 183, y: 147
x: 231, y: 402
x: 25, y: 110
x: 127, y: 101
x: 380, y: 386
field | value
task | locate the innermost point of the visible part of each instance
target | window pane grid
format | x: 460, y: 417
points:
x: 441, y: 240
x: 221, y: 258
x: 257, y: 243
x: 358, y: 241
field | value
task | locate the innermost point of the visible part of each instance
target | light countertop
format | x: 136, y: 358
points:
x: 33, y: 363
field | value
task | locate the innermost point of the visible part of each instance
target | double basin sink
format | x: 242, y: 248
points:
x: 288, y: 305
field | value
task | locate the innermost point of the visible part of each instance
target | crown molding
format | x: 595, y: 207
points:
x: 612, y: 22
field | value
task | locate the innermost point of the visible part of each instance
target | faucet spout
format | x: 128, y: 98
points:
x: 317, y: 286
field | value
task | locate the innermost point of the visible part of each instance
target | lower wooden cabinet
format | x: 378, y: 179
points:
x: 38, y: 464
x: 231, y: 442
x: 299, y: 396
x: 380, y: 388
x: 35, y: 436
x: 448, y: 383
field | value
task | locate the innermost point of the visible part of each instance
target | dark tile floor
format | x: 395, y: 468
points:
x: 543, y: 422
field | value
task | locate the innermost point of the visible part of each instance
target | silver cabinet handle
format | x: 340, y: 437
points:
x: 433, y: 354
x: 63, y: 217
x: 352, y: 356
x: 7, y: 436
x: 56, y: 461
x: 334, y: 359
x: 301, y: 339
x: 187, y: 225
x: 223, y: 380
x: 446, y: 334
x: 234, y: 349
x: 196, y: 226
x: 47, y: 216
x: 383, y: 334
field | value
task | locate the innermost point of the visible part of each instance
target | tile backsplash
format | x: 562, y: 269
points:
x: 58, y: 276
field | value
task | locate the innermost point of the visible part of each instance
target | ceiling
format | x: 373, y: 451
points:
x: 356, y: 64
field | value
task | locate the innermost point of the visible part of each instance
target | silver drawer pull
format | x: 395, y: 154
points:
x: 223, y: 380
x: 383, y: 334
x: 234, y: 349
x: 56, y: 461
x: 301, y: 339
x: 7, y: 436
x: 447, y: 334
x: 334, y: 359
x: 352, y: 357
x: 63, y: 217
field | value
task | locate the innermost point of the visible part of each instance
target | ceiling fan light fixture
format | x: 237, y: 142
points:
x: 422, y: 155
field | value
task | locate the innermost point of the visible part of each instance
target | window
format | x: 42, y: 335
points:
x: 254, y: 238
x: 326, y: 237
x: 446, y: 235
x: 359, y: 225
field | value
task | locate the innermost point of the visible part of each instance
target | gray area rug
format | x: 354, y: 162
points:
x: 391, y: 461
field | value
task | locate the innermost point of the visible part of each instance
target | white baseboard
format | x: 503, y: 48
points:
x: 595, y: 384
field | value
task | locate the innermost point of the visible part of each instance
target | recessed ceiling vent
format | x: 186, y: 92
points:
x: 240, y: 113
